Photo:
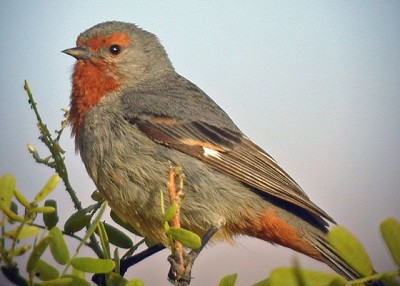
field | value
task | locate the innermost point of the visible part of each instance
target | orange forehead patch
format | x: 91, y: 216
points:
x: 96, y: 43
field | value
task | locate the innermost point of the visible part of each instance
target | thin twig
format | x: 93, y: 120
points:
x: 175, y: 197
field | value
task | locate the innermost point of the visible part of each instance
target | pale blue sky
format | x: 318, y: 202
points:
x: 314, y: 83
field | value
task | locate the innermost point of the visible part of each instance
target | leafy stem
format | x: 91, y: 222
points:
x: 56, y: 154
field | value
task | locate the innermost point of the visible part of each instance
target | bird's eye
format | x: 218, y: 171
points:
x: 115, y: 49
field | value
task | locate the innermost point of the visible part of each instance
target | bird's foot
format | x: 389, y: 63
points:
x: 182, y: 276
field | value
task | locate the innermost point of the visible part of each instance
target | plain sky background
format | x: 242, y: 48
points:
x: 314, y: 83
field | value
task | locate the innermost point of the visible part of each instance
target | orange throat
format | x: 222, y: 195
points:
x: 91, y: 80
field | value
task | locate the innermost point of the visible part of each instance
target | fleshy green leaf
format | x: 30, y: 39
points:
x: 7, y: 186
x: 117, y: 237
x: 340, y: 281
x: 390, y: 229
x: 93, y: 265
x: 264, y: 282
x: 50, y: 219
x: 135, y: 282
x: 62, y: 281
x: 350, y: 250
x: 37, y: 253
x: 170, y: 212
x: 25, y: 232
x: 12, y: 216
x: 22, y: 199
x: 77, y: 281
x: 125, y: 225
x: 287, y: 277
x: 96, y: 196
x: 43, y: 210
x: 115, y: 279
x: 228, y: 280
x: 77, y: 221
x: 186, y: 237
x: 390, y: 280
x: 58, y: 247
x: 105, y: 243
x: 78, y: 273
x: 20, y: 250
x: 45, y: 271
x: 47, y: 188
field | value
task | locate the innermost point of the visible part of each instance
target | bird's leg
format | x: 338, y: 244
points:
x: 189, y: 258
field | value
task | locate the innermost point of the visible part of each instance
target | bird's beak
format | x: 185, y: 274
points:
x: 79, y: 53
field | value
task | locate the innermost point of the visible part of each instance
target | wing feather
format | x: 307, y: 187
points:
x: 237, y: 156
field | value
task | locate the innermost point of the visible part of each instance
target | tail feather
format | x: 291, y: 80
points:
x: 330, y: 256
x: 333, y: 260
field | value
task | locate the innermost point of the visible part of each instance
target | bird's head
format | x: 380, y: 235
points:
x: 113, y: 57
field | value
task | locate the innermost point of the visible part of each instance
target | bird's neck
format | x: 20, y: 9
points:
x: 90, y: 82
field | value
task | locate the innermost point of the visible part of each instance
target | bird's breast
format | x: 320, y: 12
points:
x: 91, y: 81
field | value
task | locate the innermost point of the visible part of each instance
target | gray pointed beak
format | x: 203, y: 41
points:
x: 79, y: 53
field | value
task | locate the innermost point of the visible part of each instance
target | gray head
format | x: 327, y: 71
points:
x: 127, y: 52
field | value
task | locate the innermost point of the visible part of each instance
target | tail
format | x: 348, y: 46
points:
x: 331, y: 257
x: 302, y: 232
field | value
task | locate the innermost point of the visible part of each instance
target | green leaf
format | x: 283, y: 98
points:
x: 105, y: 243
x: 390, y: 229
x: 96, y: 196
x: 117, y: 237
x: 78, y: 273
x: 125, y: 225
x: 170, y: 212
x: 77, y: 221
x: 186, y: 237
x: 50, y: 219
x: 287, y: 277
x: 62, y: 281
x: 340, y: 281
x: 43, y: 210
x: 37, y: 253
x: 20, y: 250
x: 390, y: 280
x: 115, y: 279
x: 25, y: 232
x: 350, y: 250
x: 45, y: 271
x: 12, y: 216
x: 47, y: 188
x: 117, y: 260
x: 7, y: 186
x: 135, y: 282
x: 58, y: 247
x: 93, y: 265
x: 228, y: 280
x: 22, y: 199
x: 77, y: 281
x: 264, y: 282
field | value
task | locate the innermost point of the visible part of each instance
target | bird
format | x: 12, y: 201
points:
x: 132, y: 116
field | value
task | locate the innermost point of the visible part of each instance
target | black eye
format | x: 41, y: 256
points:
x: 115, y: 49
